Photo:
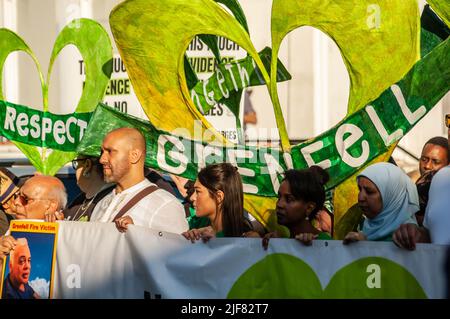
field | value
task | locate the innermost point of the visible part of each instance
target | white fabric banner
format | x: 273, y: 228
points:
x: 94, y: 260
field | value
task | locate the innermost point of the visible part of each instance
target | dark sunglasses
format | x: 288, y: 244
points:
x: 447, y: 120
x: 76, y: 162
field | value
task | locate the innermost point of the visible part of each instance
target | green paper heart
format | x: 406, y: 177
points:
x: 285, y: 276
x: 152, y: 37
x: 157, y: 72
x: 93, y: 42
x: 363, y: 43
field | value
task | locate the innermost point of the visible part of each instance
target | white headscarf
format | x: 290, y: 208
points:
x: 437, y: 213
x: 400, y: 200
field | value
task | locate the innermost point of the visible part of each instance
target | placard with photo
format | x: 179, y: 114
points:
x: 28, y: 270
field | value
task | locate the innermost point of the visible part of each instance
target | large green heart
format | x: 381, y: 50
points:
x: 286, y: 276
x: 91, y: 39
x: 152, y: 37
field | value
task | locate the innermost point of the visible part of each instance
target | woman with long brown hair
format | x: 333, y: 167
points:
x: 219, y: 197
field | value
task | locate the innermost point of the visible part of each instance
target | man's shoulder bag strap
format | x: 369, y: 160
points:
x: 146, y: 191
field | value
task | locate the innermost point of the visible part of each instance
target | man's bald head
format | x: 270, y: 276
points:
x: 40, y: 194
x: 131, y: 136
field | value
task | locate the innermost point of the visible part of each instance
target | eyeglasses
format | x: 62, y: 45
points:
x: 447, y: 120
x: 24, y: 199
x: 76, y: 162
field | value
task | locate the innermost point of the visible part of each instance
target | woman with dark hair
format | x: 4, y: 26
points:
x: 89, y: 174
x: 300, y: 197
x: 219, y: 197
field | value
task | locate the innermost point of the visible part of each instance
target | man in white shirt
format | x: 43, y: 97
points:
x: 123, y: 157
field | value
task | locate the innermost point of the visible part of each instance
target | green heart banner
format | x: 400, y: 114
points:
x: 379, y: 41
x: 343, y: 150
x: 92, y: 41
x: 382, y: 108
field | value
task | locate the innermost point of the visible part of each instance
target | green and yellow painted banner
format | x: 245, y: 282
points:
x: 391, y: 89
x: 42, y: 148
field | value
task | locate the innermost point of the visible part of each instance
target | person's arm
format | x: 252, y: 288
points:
x: 7, y: 243
x: 251, y: 234
x: 53, y: 217
x: 180, y: 182
x: 306, y: 238
x: 205, y: 233
x: 266, y: 239
x: 407, y: 235
x: 4, y: 224
x: 353, y: 236
x: 123, y: 222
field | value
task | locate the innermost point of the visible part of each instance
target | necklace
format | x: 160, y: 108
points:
x: 83, y: 208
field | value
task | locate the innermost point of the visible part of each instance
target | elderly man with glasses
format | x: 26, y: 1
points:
x: 41, y: 197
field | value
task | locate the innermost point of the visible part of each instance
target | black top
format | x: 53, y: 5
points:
x: 81, y: 208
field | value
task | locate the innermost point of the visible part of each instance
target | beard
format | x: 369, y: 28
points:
x: 115, y: 174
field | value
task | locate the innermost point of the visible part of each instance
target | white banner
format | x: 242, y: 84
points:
x: 94, y: 260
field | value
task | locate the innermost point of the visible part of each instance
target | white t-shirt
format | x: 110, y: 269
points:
x: 159, y: 210
x: 437, y: 213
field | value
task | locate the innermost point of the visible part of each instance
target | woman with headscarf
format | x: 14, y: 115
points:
x: 388, y: 198
x: 437, y: 214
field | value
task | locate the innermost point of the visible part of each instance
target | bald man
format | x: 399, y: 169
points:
x: 40, y: 197
x: 123, y: 157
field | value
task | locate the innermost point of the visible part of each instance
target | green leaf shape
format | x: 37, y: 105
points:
x: 277, y: 276
x: 236, y: 10
x: 355, y: 23
x: 152, y: 44
x: 91, y: 39
x: 395, y: 281
x: 93, y: 42
x: 11, y: 42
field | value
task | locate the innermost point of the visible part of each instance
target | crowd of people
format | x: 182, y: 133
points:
x: 118, y: 188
